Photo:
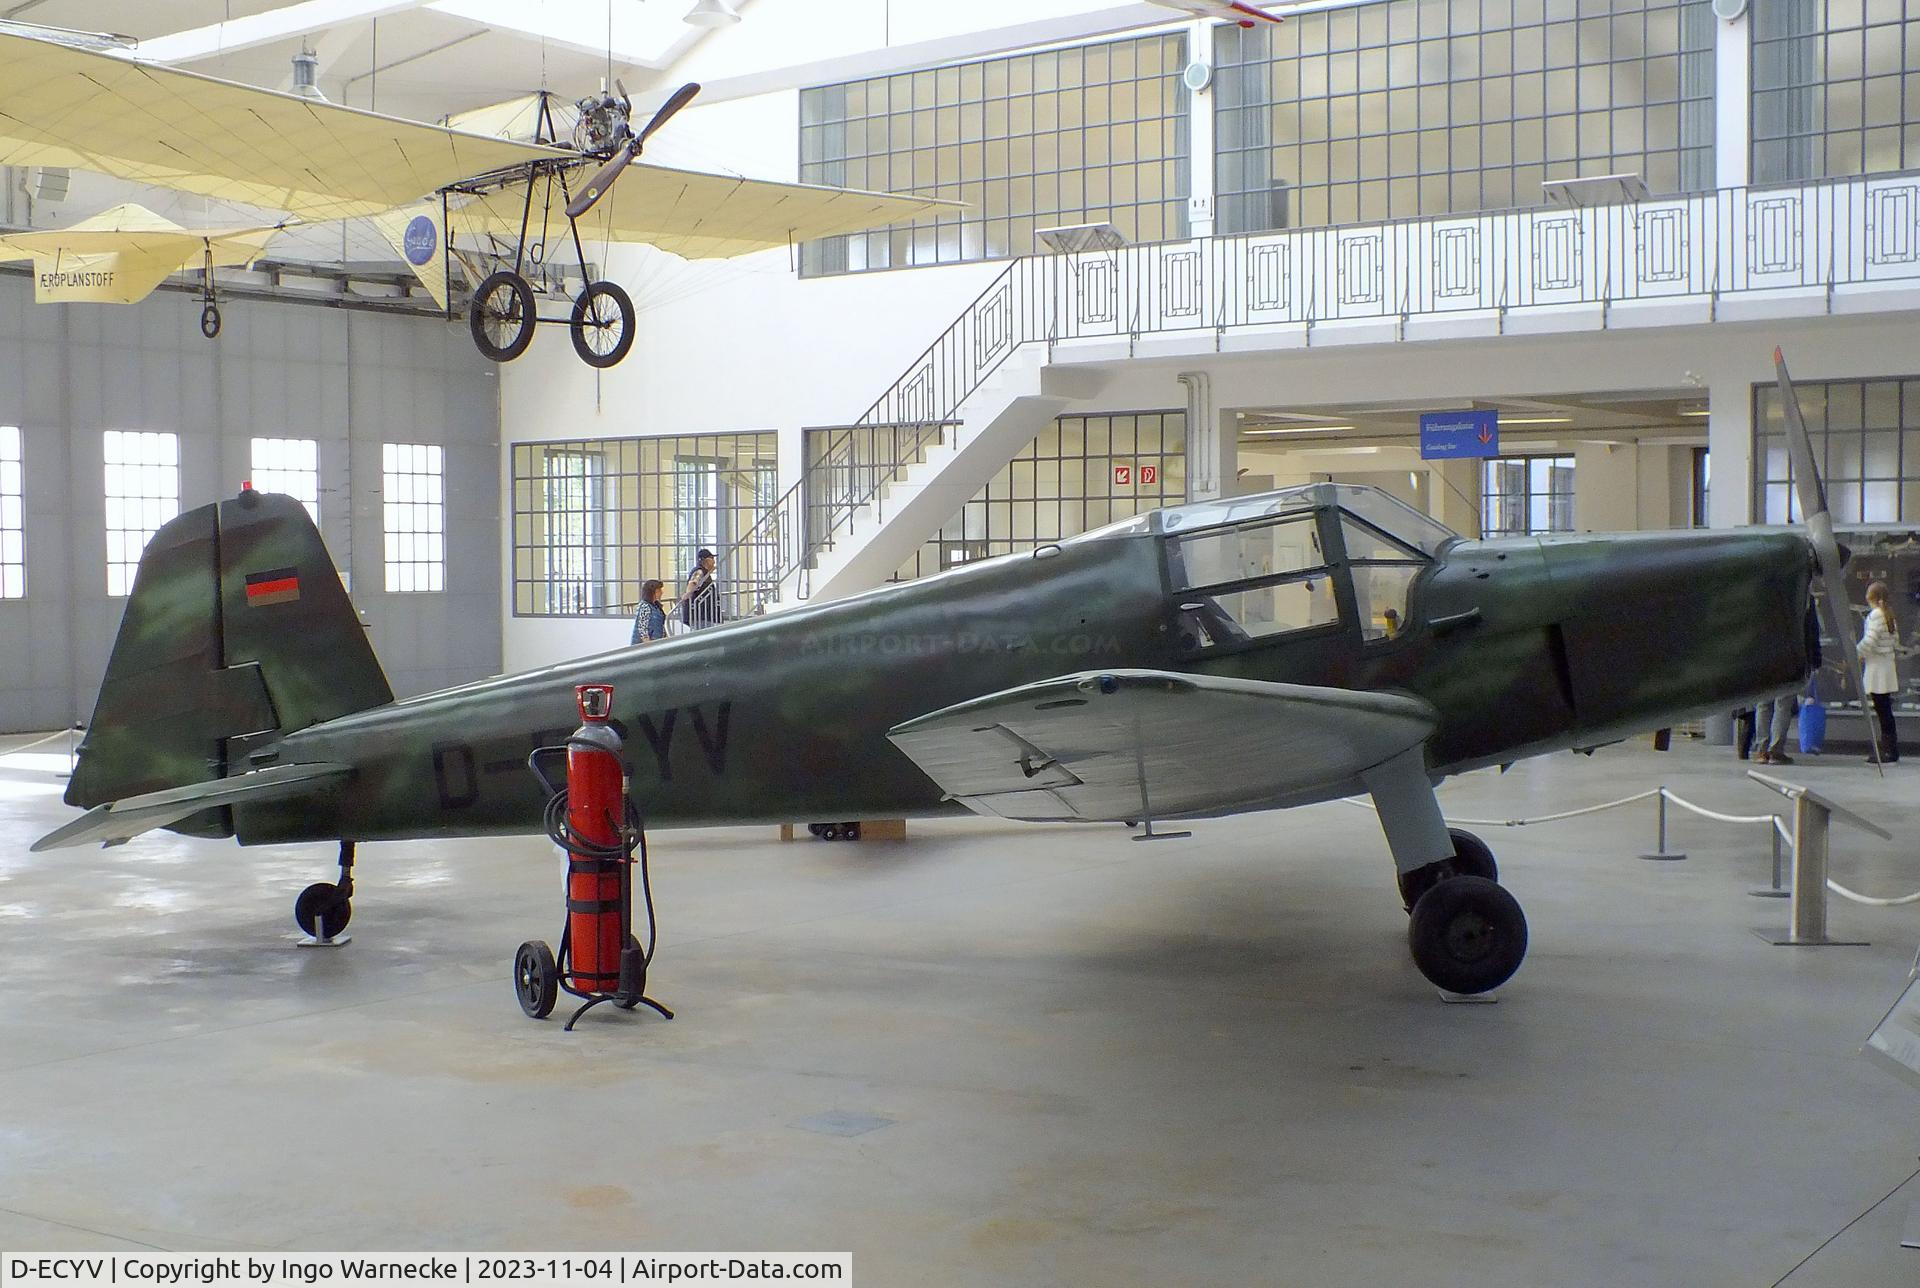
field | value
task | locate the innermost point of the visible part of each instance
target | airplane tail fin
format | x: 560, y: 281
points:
x: 237, y: 630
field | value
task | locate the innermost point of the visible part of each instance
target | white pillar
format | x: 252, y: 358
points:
x: 1733, y: 102
x: 1200, y: 200
x: 1730, y: 451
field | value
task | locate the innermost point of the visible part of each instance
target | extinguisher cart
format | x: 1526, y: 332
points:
x: 596, y: 822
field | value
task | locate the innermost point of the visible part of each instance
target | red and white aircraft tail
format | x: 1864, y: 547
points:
x: 1244, y: 14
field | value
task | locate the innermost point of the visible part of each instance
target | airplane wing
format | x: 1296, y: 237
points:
x: 703, y: 216
x: 1136, y: 744
x: 122, y: 820
x: 120, y: 255
x: 81, y: 108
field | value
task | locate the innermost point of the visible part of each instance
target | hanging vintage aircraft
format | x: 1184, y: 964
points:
x: 96, y: 106
x: 1231, y: 10
x: 1214, y: 658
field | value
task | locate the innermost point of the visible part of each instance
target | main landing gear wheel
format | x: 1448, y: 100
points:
x: 1467, y: 935
x: 536, y: 980
x: 323, y: 901
x: 1471, y: 858
x: 502, y: 316
x: 602, y: 324
x: 210, y: 320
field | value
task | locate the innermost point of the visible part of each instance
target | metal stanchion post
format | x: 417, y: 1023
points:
x: 1813, y: 816
x: 1660, y: 852
x: 1776, y: 890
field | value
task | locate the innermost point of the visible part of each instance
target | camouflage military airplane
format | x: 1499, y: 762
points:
x: 1208, y: 659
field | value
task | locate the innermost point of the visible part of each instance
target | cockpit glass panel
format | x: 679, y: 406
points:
x: 1245, y: 553
x: 1365, y: 543
x: 1235, y: 616
x: 1380, y: 596
x: 1426, y: 535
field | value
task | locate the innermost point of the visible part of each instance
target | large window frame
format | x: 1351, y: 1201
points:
x: 13, y: 514
x: 1403, y: 108
x: 142, y: 493
x: 1865, y: 436
x: 1538, y: 505
x: 413, y: 480
x: 290, y: 466
x: 1094, y: 133
x: 1836, y: 88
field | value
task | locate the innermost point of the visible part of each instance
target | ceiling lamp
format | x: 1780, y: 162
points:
x: 712, y: 13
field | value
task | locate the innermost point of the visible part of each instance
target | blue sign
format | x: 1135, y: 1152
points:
x: 1452, y: 435
x: 420, y: 241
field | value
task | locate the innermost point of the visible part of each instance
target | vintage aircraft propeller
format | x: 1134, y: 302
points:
x: 1826, y: 547
x: 603, y: 178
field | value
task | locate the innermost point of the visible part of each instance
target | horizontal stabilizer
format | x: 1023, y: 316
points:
x: 121, y: 820
x: 1140, y: 745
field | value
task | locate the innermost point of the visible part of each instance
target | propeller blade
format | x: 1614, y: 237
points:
x: 1826, y: 547
x: 602, y: 179
x: 668, y: 110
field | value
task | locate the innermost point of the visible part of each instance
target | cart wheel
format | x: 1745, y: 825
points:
x: 536, y: 980
x: 210, y: 320
x: 321, y: 900
x: 829, y: 831
x: 849, y: 831
x: 502, y: 316
x: 602, y: 324
x: 819, y: 831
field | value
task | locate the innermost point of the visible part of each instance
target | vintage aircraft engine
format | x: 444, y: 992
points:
x: 594, y: 820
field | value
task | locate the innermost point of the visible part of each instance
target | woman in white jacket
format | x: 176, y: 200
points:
x: 1879, y: 646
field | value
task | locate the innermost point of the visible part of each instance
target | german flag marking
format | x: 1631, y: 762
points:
x: 276, y: 586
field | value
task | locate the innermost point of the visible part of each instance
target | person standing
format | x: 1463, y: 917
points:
x: 1879, y: 646
x: 700, y: 601
x: 1770, y: 721
x: 650, y: 623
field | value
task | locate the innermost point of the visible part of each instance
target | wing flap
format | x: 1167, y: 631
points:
x: 122, y: 820
x: 1154, y: 744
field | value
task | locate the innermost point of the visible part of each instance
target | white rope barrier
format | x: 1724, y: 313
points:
x: 1778, y: 824
x: 38, y: 742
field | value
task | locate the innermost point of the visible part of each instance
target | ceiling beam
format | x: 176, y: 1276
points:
x: 265, y: 28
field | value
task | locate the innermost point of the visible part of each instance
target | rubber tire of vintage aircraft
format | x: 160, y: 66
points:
x: 504, y: 296
x: 588, y: 304
x: 1471, y: 858
x: 536, y: 979
x: 1467, y: 935
x: 322, y: 899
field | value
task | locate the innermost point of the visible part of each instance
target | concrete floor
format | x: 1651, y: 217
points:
x: 994, y: 1054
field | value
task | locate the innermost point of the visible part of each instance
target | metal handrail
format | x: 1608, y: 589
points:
x: 1819, y: 233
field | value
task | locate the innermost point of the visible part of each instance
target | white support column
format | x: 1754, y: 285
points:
x: 1733, y: 102
x: 1730, y: 451
x: 1200, y: 201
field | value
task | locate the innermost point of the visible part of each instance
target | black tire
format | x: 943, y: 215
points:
x: 1471, y: 858
x: 502, y: 316
x: 210, y: 320
x: 536, y: 980
x: 322, y: 900
x: 819, y: 831
x: 849, y: 831
x: 829, y: 831
x: 1467, y: 935
x: 602, y: 324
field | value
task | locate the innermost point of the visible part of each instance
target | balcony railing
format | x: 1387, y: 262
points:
x: 1734, y: 241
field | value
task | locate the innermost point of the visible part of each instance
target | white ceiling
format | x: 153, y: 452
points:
x: 416, y: 58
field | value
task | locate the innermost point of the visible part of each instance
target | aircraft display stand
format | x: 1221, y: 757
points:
x: 1813, y: 816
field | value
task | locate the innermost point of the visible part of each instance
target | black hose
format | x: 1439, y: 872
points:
x: 561, y: 833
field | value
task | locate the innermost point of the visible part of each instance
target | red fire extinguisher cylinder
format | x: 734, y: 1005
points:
x: 596, y: 812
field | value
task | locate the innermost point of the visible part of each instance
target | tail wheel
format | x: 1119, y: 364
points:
x: 502, y: 316
x: 536, y: 980
x: 602, y: 324
x: 1471, y: 858
x: 322, y: 902
x: 210, y: 320
x: 1467, y: 935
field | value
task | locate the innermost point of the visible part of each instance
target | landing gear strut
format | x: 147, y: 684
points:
x: 323, y: 909
x: 1466, y: 933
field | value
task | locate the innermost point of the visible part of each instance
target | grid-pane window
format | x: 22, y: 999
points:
x: 13, y: 519
x: 1866, y: 442
x: 1079, y: 473
x: 413, y: 490
x: 1088, y: 135
x: 1524, y: 495
x: 142, y: 493
x: 1836, y: 88
x: 290, y: 466
x: 593, y: 519
x: 1402, y: 108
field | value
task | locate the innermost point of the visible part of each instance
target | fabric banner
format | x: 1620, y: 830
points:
x: 418, y: 234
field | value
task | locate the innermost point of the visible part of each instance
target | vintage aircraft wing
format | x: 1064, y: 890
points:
x: 1135, y: 744
x: 122, y: 820
x: 120, y: 255
x: 64, y: 106
x: 703, y: 216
